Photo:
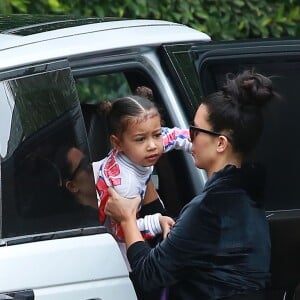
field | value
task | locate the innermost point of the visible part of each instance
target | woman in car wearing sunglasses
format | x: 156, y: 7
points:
x: 219, y: 247
x: 77, y: 185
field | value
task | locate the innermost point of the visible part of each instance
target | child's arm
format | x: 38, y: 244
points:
x: 152, y: 225
x: 176, y: 138
x: 149, y: 226
x: 152, y: 205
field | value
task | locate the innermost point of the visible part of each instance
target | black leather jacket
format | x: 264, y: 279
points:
x: 219, y: 246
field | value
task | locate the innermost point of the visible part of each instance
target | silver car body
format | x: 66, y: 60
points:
x: 90, y: 266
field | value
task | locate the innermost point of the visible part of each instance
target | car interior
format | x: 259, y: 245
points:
x: 167, y: 167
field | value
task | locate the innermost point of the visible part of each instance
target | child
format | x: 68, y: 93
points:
x: 138, y: 142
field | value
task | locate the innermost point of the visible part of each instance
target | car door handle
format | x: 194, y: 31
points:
x: 19, y: 295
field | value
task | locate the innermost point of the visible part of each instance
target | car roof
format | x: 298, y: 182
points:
x: 32, y: 28
x: 28, y: 40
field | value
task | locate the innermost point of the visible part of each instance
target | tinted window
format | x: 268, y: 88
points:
x: 41, y: 116
x: 276, y: 152
x: 182, y: 69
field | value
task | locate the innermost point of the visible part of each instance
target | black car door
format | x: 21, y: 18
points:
x: 208, y: 64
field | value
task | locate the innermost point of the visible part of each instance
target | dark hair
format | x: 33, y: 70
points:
x: 62, y: 163
x: 238, y: 108
x: 122, y: 110
x: 144, y: 91
x: 67, y: 200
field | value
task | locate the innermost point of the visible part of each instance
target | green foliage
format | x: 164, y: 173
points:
x: 102, y: 88
x: 221, y: 19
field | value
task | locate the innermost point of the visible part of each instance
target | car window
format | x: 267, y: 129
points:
x: 173, y: 189
x: 99, y: 88
x: 42, y: 116
x: 279, y: 139
x: 182, y: 69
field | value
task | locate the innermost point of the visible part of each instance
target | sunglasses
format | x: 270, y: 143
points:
x: 194, y: 130
x: 84, y: 164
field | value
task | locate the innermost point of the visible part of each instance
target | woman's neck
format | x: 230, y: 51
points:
x: 222, y: 163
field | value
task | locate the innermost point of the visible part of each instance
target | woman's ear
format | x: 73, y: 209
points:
x: 222, y: 143
x: 115, y: 141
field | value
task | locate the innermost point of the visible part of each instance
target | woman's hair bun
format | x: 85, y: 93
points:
x: 249, y: 89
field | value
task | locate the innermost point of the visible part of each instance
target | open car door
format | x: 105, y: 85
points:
x: 48, y: 250
x: 200, y: 70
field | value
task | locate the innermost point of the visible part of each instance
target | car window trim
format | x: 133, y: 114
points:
x: 85, y: 231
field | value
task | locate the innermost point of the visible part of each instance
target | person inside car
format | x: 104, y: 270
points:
x: 77, y: 183
x: 219, y: 247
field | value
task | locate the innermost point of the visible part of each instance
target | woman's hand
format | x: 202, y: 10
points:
x: 119, y: 208
x: 166, y: 223
x: 123, y: 211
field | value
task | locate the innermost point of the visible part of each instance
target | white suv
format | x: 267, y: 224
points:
x: 53, y: 73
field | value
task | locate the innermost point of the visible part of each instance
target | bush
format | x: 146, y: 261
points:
x: 222, y: 20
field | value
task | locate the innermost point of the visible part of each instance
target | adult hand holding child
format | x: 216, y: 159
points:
x: 124, y: 212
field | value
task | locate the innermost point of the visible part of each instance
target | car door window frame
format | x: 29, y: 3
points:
x: 238, y: 56
x: 151, y: 66
x: 19, y: 74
